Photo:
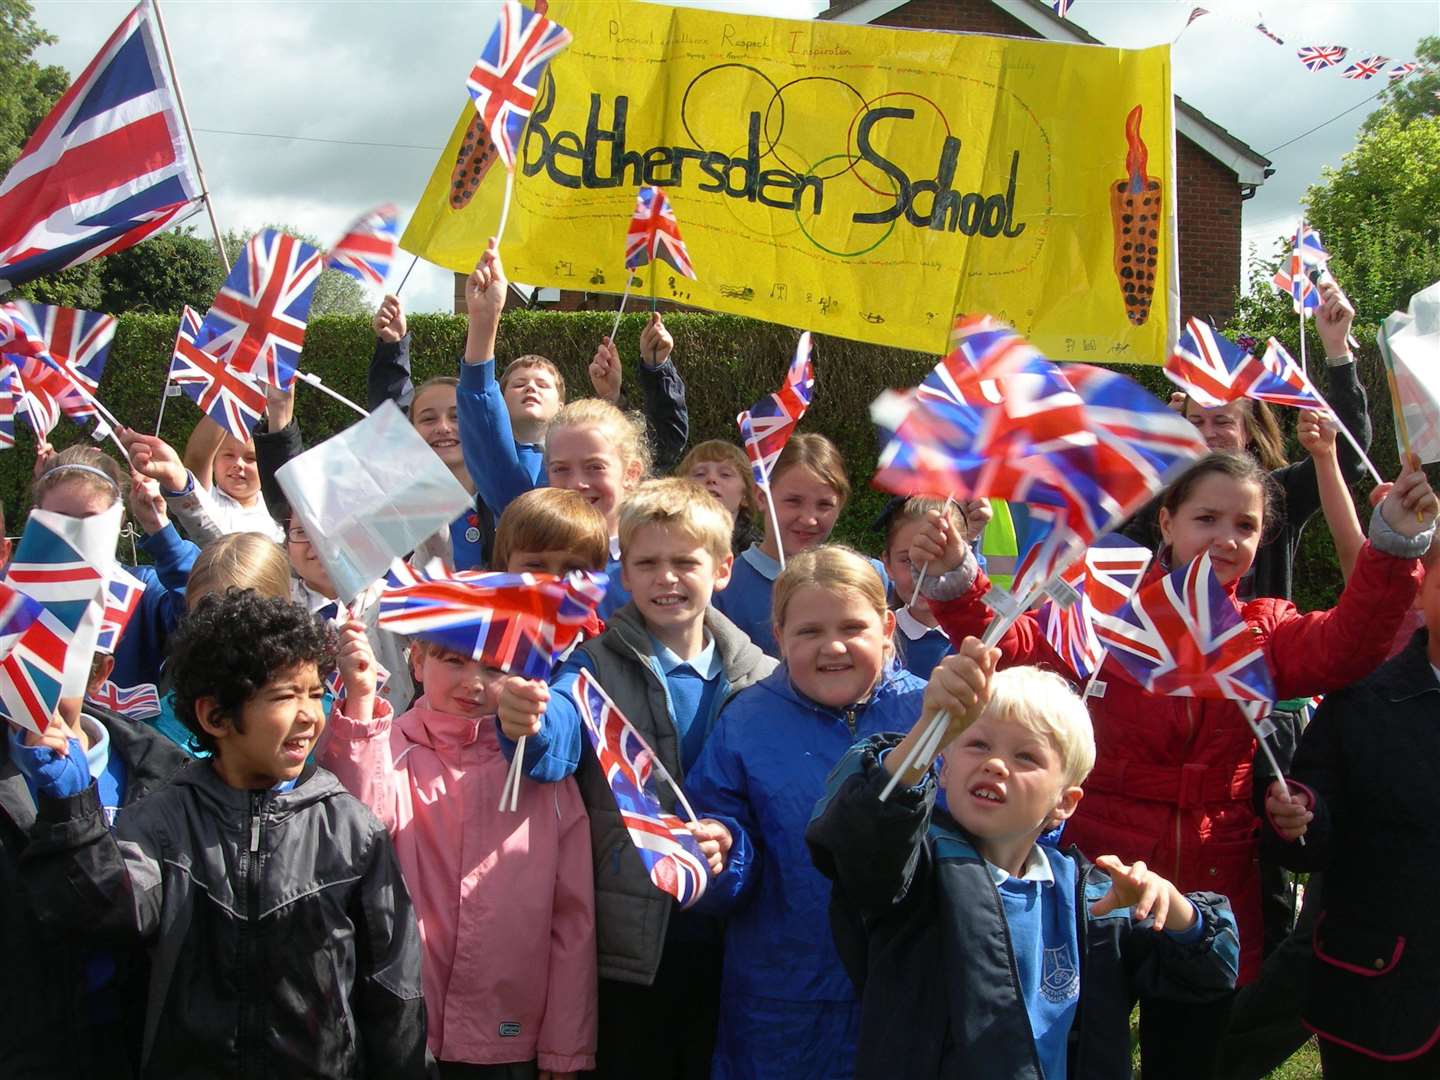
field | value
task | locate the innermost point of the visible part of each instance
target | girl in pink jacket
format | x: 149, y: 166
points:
x: 505, y: 901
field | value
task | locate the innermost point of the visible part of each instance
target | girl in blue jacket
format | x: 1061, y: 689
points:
x: 787, y: 1005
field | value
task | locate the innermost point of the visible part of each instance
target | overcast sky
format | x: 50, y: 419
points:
x: 377, y: 86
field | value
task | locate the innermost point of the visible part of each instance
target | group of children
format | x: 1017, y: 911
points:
x: 302, y: 864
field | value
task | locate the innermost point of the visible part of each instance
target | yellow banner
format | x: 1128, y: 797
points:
x: 857, y: 181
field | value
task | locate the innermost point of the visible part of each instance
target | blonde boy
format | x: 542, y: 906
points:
x: 669, y: 660
x: 964, y: 898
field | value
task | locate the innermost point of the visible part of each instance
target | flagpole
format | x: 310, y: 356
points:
x: 407, y: 275
x: 505, y: 208
x: 314, y: 380
x: 1297, y: 265
x: 190, y: 136
x: 629, y: 276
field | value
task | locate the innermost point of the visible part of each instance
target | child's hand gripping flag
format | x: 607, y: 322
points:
x: 666, y: 847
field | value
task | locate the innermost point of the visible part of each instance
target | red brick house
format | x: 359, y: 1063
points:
x: 1215, y: 171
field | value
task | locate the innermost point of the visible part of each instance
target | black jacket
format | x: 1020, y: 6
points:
x: 1371, y: 761
x: 922, y: 930
x: 1299, y: 495
x: 281, y: 937
x: 49, y: 1026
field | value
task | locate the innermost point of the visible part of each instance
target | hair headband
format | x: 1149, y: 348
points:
x: 91, y: 469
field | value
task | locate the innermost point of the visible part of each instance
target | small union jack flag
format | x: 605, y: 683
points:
x: 1276, y: 38
x: 506, y: 79
x: 53, y: 572
x: 1399, y: 71
x: 1294, y: 279
x: 1105, y: 579
x: 1062, y: 7
x: 256, y: 323
x: 1209, y: 367
x: 665, y: 845
x: 1182, y: 636
x: 515, y: 622
x: 767, y: 425
x: 1307, y: 242
x: 10, y: 393
x: 1282, y: 382
x: 137, y: 702
x: 367, y: 249
x: 233, y: 400
x: 655, y: 234
x: 123, y: 593
x: 78, y: 341
x: 1319, y: 57
x: 1367, y: 68
x: 19, y: 336
x: 49, y: 391
x: 1196, y: 13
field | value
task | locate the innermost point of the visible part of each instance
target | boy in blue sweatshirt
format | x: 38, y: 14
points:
x: 669, y: 661
x: 1041, y: 954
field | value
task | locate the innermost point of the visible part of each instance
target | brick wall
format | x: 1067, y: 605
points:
x: 1209, y: 205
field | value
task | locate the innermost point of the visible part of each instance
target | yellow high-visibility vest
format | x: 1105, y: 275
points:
x: 997, y: 543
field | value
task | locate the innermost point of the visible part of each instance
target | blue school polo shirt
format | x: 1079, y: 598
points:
x: 693, y: 686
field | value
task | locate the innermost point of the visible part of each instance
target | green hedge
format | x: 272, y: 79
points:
x: 728, y: 362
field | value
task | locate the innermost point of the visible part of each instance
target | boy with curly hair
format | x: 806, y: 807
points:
x: 282, y: 940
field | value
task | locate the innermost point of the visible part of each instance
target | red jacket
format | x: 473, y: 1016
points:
x: 1172, y: 781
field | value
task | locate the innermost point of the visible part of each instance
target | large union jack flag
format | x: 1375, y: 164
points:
x: 767, y: 425
x: 1209, y: 367
x: 256, y: 323
x: 667, y: 849
x: 518, y: 623
x: 655, y: 234
x: 367, y: 249
x: 1366, y: 68
x: 1104, y: 580
x: 78, y: 341
x: 137, y: 702
x: 105, y: 169
x: 1319, y: 57
x: 52, y: 571
x: 1283, y: 383
x: 1182, y: 636
x: 233, y: 400
x: 506, y: 79
x: 123, y: 593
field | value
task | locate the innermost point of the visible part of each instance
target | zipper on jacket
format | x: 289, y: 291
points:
x: 250, y: 1036
x: 850, y: 723
x: 1010, y: 953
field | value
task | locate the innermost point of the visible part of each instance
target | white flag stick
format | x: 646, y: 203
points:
x: 314, y: 380
x: 629, y: 276
x: 510, y: 790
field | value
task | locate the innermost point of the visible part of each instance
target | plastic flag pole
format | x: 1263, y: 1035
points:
x: 1251, y: 709
x: 407, y: 275
x: 629, y: 277
x: 510, y: 790
x: 314, y: 380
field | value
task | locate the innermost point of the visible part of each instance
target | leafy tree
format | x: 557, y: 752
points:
x: 27, y: 89
x: 160, y: 275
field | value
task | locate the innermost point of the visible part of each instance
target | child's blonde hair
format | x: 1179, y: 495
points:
x: 679, y: 504
x: 531, y: 360
x: 833, y: 567
x: 80, y: 464
x: 552, y: 519
x: 818, y: 454
x: 915, y: 508
x: 625, y: 432
x: 244, y: 560
x: 1042, y: 702
x: 730, y: 454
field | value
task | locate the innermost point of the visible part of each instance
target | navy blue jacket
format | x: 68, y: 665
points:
x: 920, y: 923
x: 1370, y: 761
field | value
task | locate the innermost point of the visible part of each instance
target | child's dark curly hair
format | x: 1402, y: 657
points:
x: 233, y: 644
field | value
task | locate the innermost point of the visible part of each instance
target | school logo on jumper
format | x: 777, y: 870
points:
x: 1061, y: 980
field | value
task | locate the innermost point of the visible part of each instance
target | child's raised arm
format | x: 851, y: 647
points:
x: 960, y: 687
x: 487, y: 437
x: 664, y: 392
x: 548, y: 720
x: 200, y: 450
x: 1317, y: 434
x: 356, y: 743
x: 389, y: 376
